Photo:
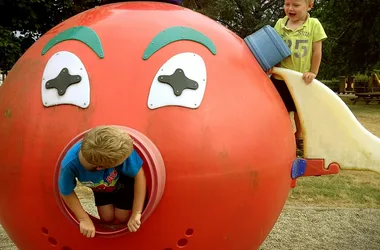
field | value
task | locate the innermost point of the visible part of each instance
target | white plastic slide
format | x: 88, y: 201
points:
x: 330, y: 130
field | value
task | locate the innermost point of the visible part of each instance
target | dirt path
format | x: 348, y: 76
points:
x: 311, y: 228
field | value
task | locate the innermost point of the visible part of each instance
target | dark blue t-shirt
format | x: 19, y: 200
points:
x: 102, y: 180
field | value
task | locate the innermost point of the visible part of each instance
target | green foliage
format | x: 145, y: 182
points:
x: 28, y: 20
x: 241, y: 16
x: 353, y: 30
x: 352, y: 27
x: 361, y: 77
x: 332, y: 84
x: 348, y: 188
x: 353, y: 43
x: 10, y: 48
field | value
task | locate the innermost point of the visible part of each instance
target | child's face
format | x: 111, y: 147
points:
x: 296, y: 10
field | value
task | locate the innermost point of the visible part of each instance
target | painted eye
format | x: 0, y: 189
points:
x: 181, y: 81
x: 65, y: 81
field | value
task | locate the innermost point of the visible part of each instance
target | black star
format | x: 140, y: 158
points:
x: 63, y: 81
x: 179, y: 82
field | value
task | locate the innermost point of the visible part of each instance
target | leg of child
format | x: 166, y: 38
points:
x: 106, y: 213
x: 298, y: 126
x: 122, y: 215
x: 298, y: 136
x: 124, y: 199
x: 104, y: 202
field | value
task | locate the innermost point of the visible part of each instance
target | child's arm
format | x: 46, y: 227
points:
x: 67, y: 183
x: 138, y: 201
x: 87, y: 227
x: 140, y: 192
x: 75, y: 206
x: 316, y: 58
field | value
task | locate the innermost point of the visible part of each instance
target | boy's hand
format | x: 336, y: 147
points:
x: 134, y: 222
x: 308, y: 77
x: 87, y: 228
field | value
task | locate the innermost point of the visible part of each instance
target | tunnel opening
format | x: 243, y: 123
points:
x: 154, y: 169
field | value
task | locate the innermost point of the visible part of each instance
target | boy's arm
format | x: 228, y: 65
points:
x: 316, y: 57
x: 67, y: 184
x: 86, y: 225
x: 75, y: 206
x: 139, y: 192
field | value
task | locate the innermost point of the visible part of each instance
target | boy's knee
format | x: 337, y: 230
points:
x: 106, y: 213
x: 107, y: 218
x: 122, y: 215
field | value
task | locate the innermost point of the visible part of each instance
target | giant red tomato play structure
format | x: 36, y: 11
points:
x: 216, y: 139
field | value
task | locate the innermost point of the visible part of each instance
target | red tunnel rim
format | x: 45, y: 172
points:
x: 154, y: 163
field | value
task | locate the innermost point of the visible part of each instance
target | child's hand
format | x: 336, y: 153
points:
x: 87, y: 228
x: 134, y: 222
x: 308, y: 77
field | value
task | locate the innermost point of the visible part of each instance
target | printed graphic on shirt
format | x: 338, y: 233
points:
x: 108, y: 184
x: 300, y: 49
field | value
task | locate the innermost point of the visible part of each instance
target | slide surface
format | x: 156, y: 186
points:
x: 330, y: 130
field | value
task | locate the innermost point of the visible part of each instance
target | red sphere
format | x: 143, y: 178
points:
x: 215, y: 136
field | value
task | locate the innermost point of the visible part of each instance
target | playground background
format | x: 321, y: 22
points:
x: 328, y: 212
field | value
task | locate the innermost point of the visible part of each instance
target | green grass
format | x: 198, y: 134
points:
x: 348, y: 188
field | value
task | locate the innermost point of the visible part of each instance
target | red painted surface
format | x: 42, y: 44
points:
x: 227, y: 163
x: 316, y: 167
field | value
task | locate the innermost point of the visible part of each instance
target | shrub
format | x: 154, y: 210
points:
x: 361, y: 78
x: 332, y: 84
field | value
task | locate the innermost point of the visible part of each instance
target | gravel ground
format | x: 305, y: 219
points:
x: 325, y: 228
x: 310, y: 228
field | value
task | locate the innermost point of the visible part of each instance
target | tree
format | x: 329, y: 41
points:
x: 353, y: 29
x: 10, y: 49
x: 30, y: 19
x: 241, y: 16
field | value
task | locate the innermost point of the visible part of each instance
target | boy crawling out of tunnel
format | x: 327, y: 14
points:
x: 106, y: 162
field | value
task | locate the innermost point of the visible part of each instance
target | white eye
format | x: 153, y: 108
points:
x: 181, y: 81
x: 65, y: 81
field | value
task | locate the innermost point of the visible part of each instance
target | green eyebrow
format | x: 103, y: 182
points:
x: 80, y: 33
x: 177, y: 33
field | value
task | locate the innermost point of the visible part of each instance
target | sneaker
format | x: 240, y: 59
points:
x: 299, y: 150
x: 299, y: 153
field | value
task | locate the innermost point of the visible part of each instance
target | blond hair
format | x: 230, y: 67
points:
x: 106, y: 146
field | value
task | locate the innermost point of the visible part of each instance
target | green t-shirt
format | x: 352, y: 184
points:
x: 300, y: 42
